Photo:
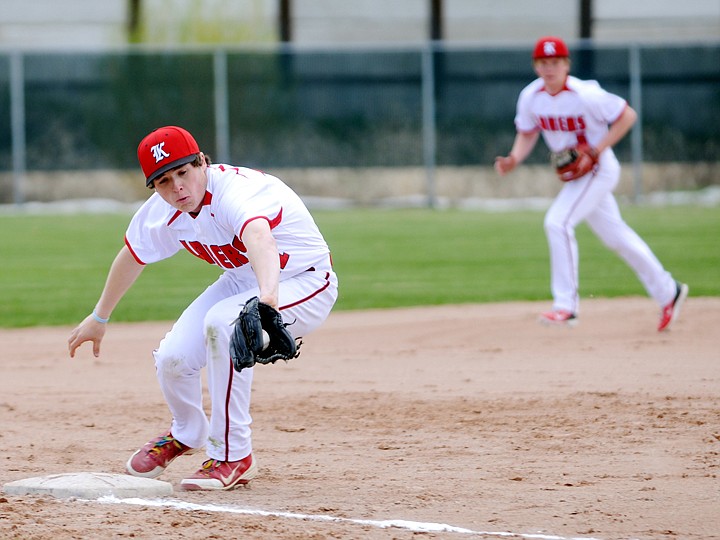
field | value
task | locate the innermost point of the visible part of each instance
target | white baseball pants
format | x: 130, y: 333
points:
x: 591, y: 199
x: 201, y: 337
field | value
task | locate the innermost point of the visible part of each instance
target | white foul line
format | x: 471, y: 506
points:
x: 414, y: 526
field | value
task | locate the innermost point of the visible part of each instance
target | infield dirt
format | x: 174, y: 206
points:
x: 472, y: 416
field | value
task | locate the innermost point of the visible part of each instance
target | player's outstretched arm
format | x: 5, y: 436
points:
x: 521, y: 148
x: 88, y: 330
x: 123, y: 273
x: 263, y: 254
x: 618, y: 129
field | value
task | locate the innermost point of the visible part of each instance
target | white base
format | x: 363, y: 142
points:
x: 89, y: 485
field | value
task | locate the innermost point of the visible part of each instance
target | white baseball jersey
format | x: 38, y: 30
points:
x: 578, y: 114
x: 234, y: 197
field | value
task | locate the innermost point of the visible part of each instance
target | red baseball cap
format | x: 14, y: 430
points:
x: 164, y: 149
x: 550, y: 47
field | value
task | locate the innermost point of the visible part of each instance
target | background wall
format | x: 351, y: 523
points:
x: 92, y: 23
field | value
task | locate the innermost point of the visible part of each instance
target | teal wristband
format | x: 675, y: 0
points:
x: 98, y: 318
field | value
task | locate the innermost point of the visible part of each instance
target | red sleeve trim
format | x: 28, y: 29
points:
x: 132, y: 252
x: 274, y: 222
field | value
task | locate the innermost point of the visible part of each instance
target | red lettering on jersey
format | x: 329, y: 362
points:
x: 228, y: 255
x: 220, y: 256
x: 238, y: 244
x: 562, y: 123
x: 199, y: 250
x: 233, y: 256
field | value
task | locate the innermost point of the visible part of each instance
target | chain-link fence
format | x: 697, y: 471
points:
x: 439, y: 106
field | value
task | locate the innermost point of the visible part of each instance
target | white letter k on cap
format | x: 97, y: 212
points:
x: 158, y: 152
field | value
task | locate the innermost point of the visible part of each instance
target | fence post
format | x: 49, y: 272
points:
x: 222, y: 120
x: 428, y: 121
x: 17, y: 125
x: 636, y: 136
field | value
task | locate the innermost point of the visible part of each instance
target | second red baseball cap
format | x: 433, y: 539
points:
x: 550, y: 47
x: 165, y: 148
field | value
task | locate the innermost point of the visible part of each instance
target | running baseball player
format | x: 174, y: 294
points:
x: 258, y: 231
x: 580, y: 123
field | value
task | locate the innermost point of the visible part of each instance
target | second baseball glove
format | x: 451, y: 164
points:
x: 246, y: 342
x: 574, y: 163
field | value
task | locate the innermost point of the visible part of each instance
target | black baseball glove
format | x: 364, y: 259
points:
x: 247, y: 344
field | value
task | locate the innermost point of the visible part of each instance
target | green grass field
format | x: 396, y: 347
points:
x: 54, y: 267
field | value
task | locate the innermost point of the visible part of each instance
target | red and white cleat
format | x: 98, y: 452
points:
x: 221, y: 475
x: 558, y: 317
x: 152, y: 459
x: 670, y: 312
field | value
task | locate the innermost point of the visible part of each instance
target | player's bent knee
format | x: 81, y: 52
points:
x: 553, y: 227
x: 171, y: 366
x: 217, y: 326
